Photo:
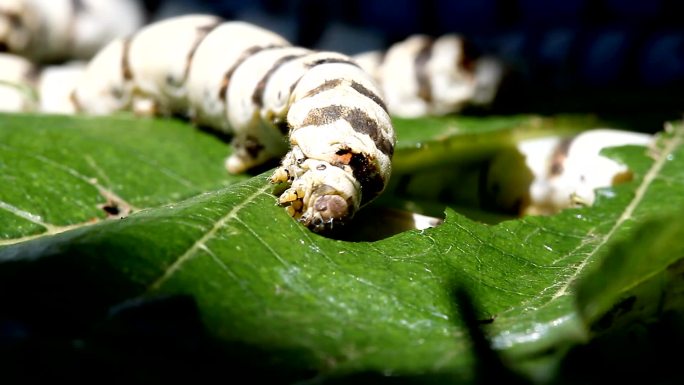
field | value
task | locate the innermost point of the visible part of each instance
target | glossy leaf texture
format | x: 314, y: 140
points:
x: 270, y: 294
x: 58, y: 172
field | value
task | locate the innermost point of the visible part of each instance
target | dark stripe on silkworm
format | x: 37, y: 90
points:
x: 421, y: 70
x: 319, y: 62
x: 366, y: 173
x: 258, y: 95
x: 74, y: 101
x: 361, y: 122
x: 202, y: 33
x: 332, y: 60
x: 468, y: 56
x: 294, y: 84
x: 126, y: 72
x: 369, y: 94
x: 357, y: 118
x: 13, y: 17
x: 560, y: 153
x: 327, y: 85
x: 78, y: 6
x: 33, y: 74
x: 16, y: 22
x: 223, y: 91
x: 358, y: 87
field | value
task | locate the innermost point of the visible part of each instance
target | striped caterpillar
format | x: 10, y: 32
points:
x: 57, y: 30
x: 438, y: 76
x: 262, y: 89
x: 240, y: 79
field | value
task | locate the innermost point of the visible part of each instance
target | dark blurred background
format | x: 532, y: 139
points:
x: 614, y: 57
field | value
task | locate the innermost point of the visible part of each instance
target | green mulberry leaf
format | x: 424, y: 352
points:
x: 319, y: 308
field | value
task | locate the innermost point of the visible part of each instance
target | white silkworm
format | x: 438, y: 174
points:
x: 38, y: 31
x: 251, y: 83
x: 438, y: 76
x: 55, y: 85
x: 17, y: 78
x: 25, y: 87
x: 559, y: 172
x: 56, y: 30
x: 321, y: 110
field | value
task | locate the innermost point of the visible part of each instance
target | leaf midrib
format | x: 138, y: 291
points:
x: 201, y: 242
x: 659, y: 161
x: 627, y: 214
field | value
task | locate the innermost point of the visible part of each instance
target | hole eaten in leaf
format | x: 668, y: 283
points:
x: 376, y: 222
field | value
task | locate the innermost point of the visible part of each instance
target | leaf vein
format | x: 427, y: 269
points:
x: 263, y: 242
x: 24, y: 214
x: 628, y: 213
x: 105, y: 192
x: 201, y: 243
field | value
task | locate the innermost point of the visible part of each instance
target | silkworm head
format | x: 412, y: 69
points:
x: 331, y: 195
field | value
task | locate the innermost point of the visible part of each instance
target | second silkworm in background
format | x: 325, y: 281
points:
x: 438, y: 75
x: 57, y: 30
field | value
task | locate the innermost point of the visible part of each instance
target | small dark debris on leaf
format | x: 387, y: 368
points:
x: 114, y: 208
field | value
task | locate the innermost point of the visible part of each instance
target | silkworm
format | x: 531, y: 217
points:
x: 27, y: 87
x: 57, y: 30
x: 17, y: 78
x: 554, y: 173
x: 270, y: 96
x: 438, y: 75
